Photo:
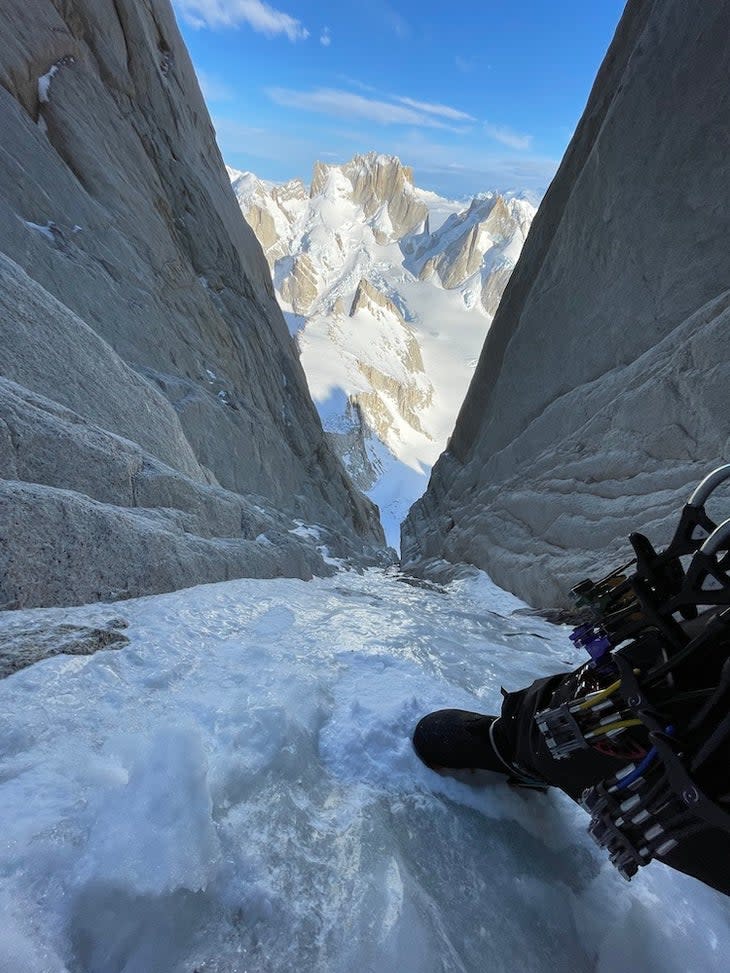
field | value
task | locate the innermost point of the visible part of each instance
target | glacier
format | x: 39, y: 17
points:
x: 236, y: 791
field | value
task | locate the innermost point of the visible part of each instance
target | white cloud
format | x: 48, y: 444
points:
x: 213, y: 88
x: 354, y: 83
x: 444, y: 111
x: 325, y: 38
x: 347, y: 104
x: 232, y: 13
x: 514, y: 140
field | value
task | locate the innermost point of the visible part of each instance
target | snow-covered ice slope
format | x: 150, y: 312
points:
x: 236, y: 791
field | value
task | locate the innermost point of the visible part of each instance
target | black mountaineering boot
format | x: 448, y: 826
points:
x: 455, y: 739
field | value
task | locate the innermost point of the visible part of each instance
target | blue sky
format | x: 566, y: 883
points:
x: 474, y: 95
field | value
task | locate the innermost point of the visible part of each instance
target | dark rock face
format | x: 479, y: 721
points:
x: 600, y: 397
x: 24, y: 643
x: 147, y: 373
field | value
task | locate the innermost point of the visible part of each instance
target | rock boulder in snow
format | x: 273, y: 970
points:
x: 27, y: 642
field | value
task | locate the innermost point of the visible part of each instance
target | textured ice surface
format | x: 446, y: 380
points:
x: 236, y: 791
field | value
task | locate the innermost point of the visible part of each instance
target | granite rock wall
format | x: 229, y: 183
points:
x: 154, y: 417
x: 600, y: 397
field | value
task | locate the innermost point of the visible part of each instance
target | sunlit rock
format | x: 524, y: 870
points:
x: 600, y: 398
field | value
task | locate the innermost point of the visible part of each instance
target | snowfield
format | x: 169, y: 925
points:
x: 236, y: 791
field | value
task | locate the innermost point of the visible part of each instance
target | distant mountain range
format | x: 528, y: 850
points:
x: 389, y: 291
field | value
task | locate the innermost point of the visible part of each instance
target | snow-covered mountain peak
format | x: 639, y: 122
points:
x: 382, y: 186
x: 246, y: 184
x: 371, y: 173
x: 389, y: 290
x: 474, y: 250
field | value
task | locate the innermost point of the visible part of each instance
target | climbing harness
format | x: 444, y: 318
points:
x: 657, y: 690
